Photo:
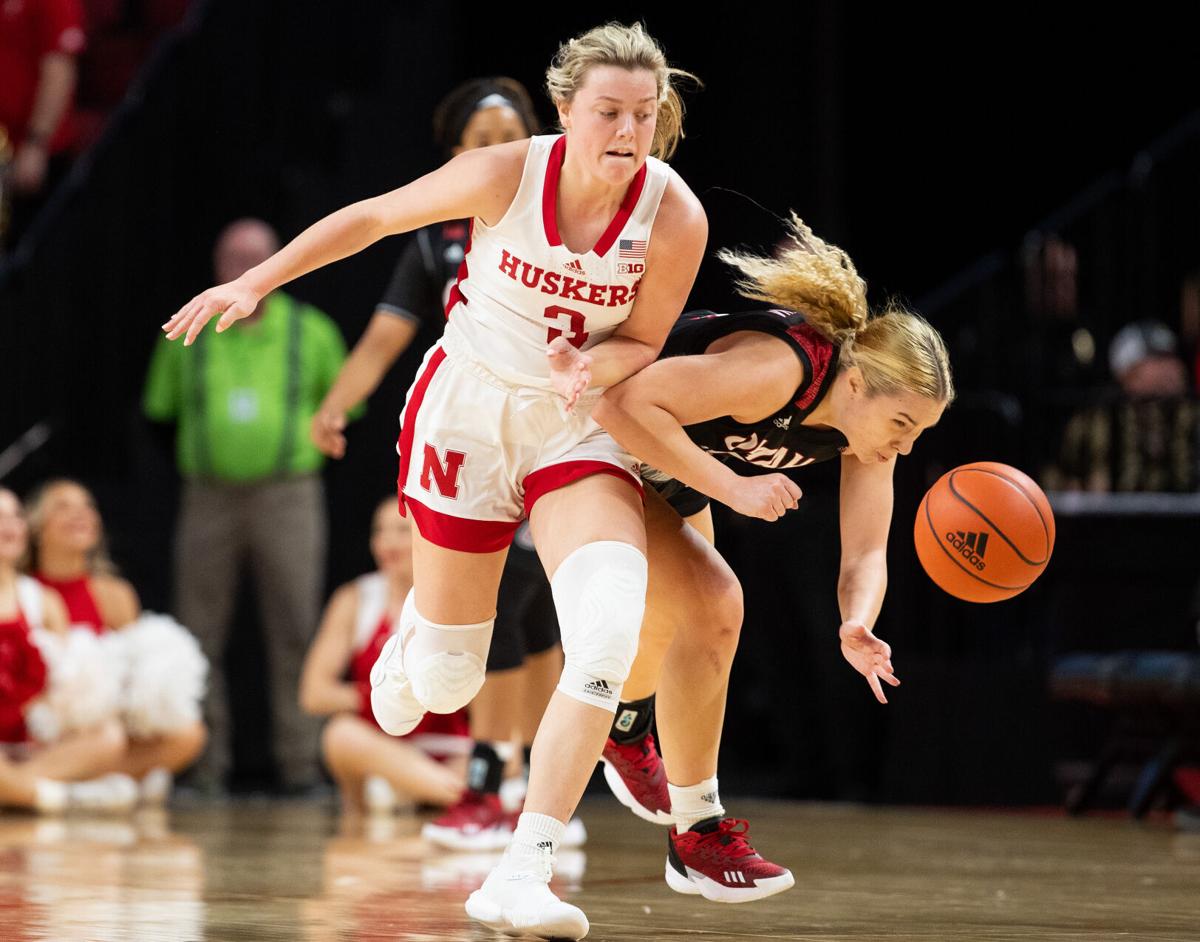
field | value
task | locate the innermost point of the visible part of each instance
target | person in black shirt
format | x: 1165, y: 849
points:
x: 733, y: 402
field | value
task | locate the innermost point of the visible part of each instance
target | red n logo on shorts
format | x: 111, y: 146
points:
x: 446, y: 474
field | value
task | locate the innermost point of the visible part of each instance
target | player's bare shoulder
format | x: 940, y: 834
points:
x: 497, y: 171
x: 681, y: 222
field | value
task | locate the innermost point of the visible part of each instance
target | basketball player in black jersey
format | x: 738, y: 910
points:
x: 733, y: 401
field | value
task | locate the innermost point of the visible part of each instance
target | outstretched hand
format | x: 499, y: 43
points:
x: 232, y: 301
x: 868, y: 655
x: 570, y: 371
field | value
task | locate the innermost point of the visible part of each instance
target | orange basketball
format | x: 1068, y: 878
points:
x: 984, y: 532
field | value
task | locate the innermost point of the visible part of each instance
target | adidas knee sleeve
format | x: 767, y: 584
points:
x: 445, y: 664
x: 600, y: 594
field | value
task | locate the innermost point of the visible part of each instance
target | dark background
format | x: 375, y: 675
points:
x: 920, y: 143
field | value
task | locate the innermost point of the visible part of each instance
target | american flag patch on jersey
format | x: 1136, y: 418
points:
x: 631, y: 248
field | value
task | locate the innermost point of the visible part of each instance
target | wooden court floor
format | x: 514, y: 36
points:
x: 280, y: 871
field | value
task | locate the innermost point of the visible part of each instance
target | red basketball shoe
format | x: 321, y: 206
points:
x: 477, y: 821
x: 718, y: 863
x: 635, y: 774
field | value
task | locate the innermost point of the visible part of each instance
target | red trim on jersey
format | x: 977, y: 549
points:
x: 550, y: 191
x: 456, y: 294
x: 820, y: 355
x: 405, y: 442
x: 541, y: 482
x: 459, y: 533
x: 614, y: 228
x: 550, y: 201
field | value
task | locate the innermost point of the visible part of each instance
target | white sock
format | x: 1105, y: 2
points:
x: 693, y: 803
x: 537, y: 830
x: 49, y: 795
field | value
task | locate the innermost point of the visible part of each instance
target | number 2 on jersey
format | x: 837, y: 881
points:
x: 576, y: 335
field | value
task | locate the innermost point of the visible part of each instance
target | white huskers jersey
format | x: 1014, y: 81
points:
x: 519, y: 287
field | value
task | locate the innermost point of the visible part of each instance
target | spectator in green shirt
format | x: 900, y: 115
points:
x: 242, y: 402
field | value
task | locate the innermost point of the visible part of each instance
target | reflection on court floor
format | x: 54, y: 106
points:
x: 285, y: 871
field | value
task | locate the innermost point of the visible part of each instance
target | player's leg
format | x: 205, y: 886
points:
x: 437, y: 659
x: 590, y: 536
x: 633, y: 766
x: 698, y: 599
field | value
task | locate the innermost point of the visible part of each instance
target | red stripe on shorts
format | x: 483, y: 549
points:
x: 456, y: 294
x: 405, y: 443
x: 459, y: 533
x: 544, y: 480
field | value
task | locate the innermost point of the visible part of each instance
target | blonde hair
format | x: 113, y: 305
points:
x: 894, y: 349
x: 99, y: 563
x: 627, y: 47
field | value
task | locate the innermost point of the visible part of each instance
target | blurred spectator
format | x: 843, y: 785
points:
x: 253, y: 497
x: 1145, y: 438
x: 1065, y: 348
x: 1189, y: 324
x: 39, y: 42
x: 68, y: 553
x: 43, y: 773
x: 371, y: 767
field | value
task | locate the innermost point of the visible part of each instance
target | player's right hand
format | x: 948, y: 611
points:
x: 326, y: 431
x: 766, y: 496
x: 232, y: 300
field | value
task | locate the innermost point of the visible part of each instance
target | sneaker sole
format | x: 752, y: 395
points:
x: 621, y: 792
x: 572, y: 925
x: 697, y: 884
x: 454, y: 839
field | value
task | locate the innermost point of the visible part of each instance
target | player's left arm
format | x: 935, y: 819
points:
x: 866, y: 517
x: 672, y: 260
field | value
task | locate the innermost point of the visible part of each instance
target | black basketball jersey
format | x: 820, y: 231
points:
x: 780, y: 441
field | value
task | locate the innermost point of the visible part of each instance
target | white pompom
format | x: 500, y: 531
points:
x: 84, y: 681
x: 165, y: 676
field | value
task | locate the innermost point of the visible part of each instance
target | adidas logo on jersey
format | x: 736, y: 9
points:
x: 599, y: 688
x: 574, y: 266
x: 784, y: 423
x: 972, y: 546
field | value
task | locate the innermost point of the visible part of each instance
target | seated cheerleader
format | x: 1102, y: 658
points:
x: 65, y: 770
x: 163, y: 670
x: 374, y: 770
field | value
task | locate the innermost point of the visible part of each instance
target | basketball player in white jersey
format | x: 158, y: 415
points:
x: 582, y: 241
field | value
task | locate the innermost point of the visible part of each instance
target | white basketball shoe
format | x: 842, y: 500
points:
x: 516, y: 898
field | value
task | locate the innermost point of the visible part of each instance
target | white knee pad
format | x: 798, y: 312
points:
x: 600, y: 594
x: 445, y: 664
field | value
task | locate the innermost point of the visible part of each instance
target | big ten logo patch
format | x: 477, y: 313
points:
x: 630, y: 268
x: 439, y: 473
